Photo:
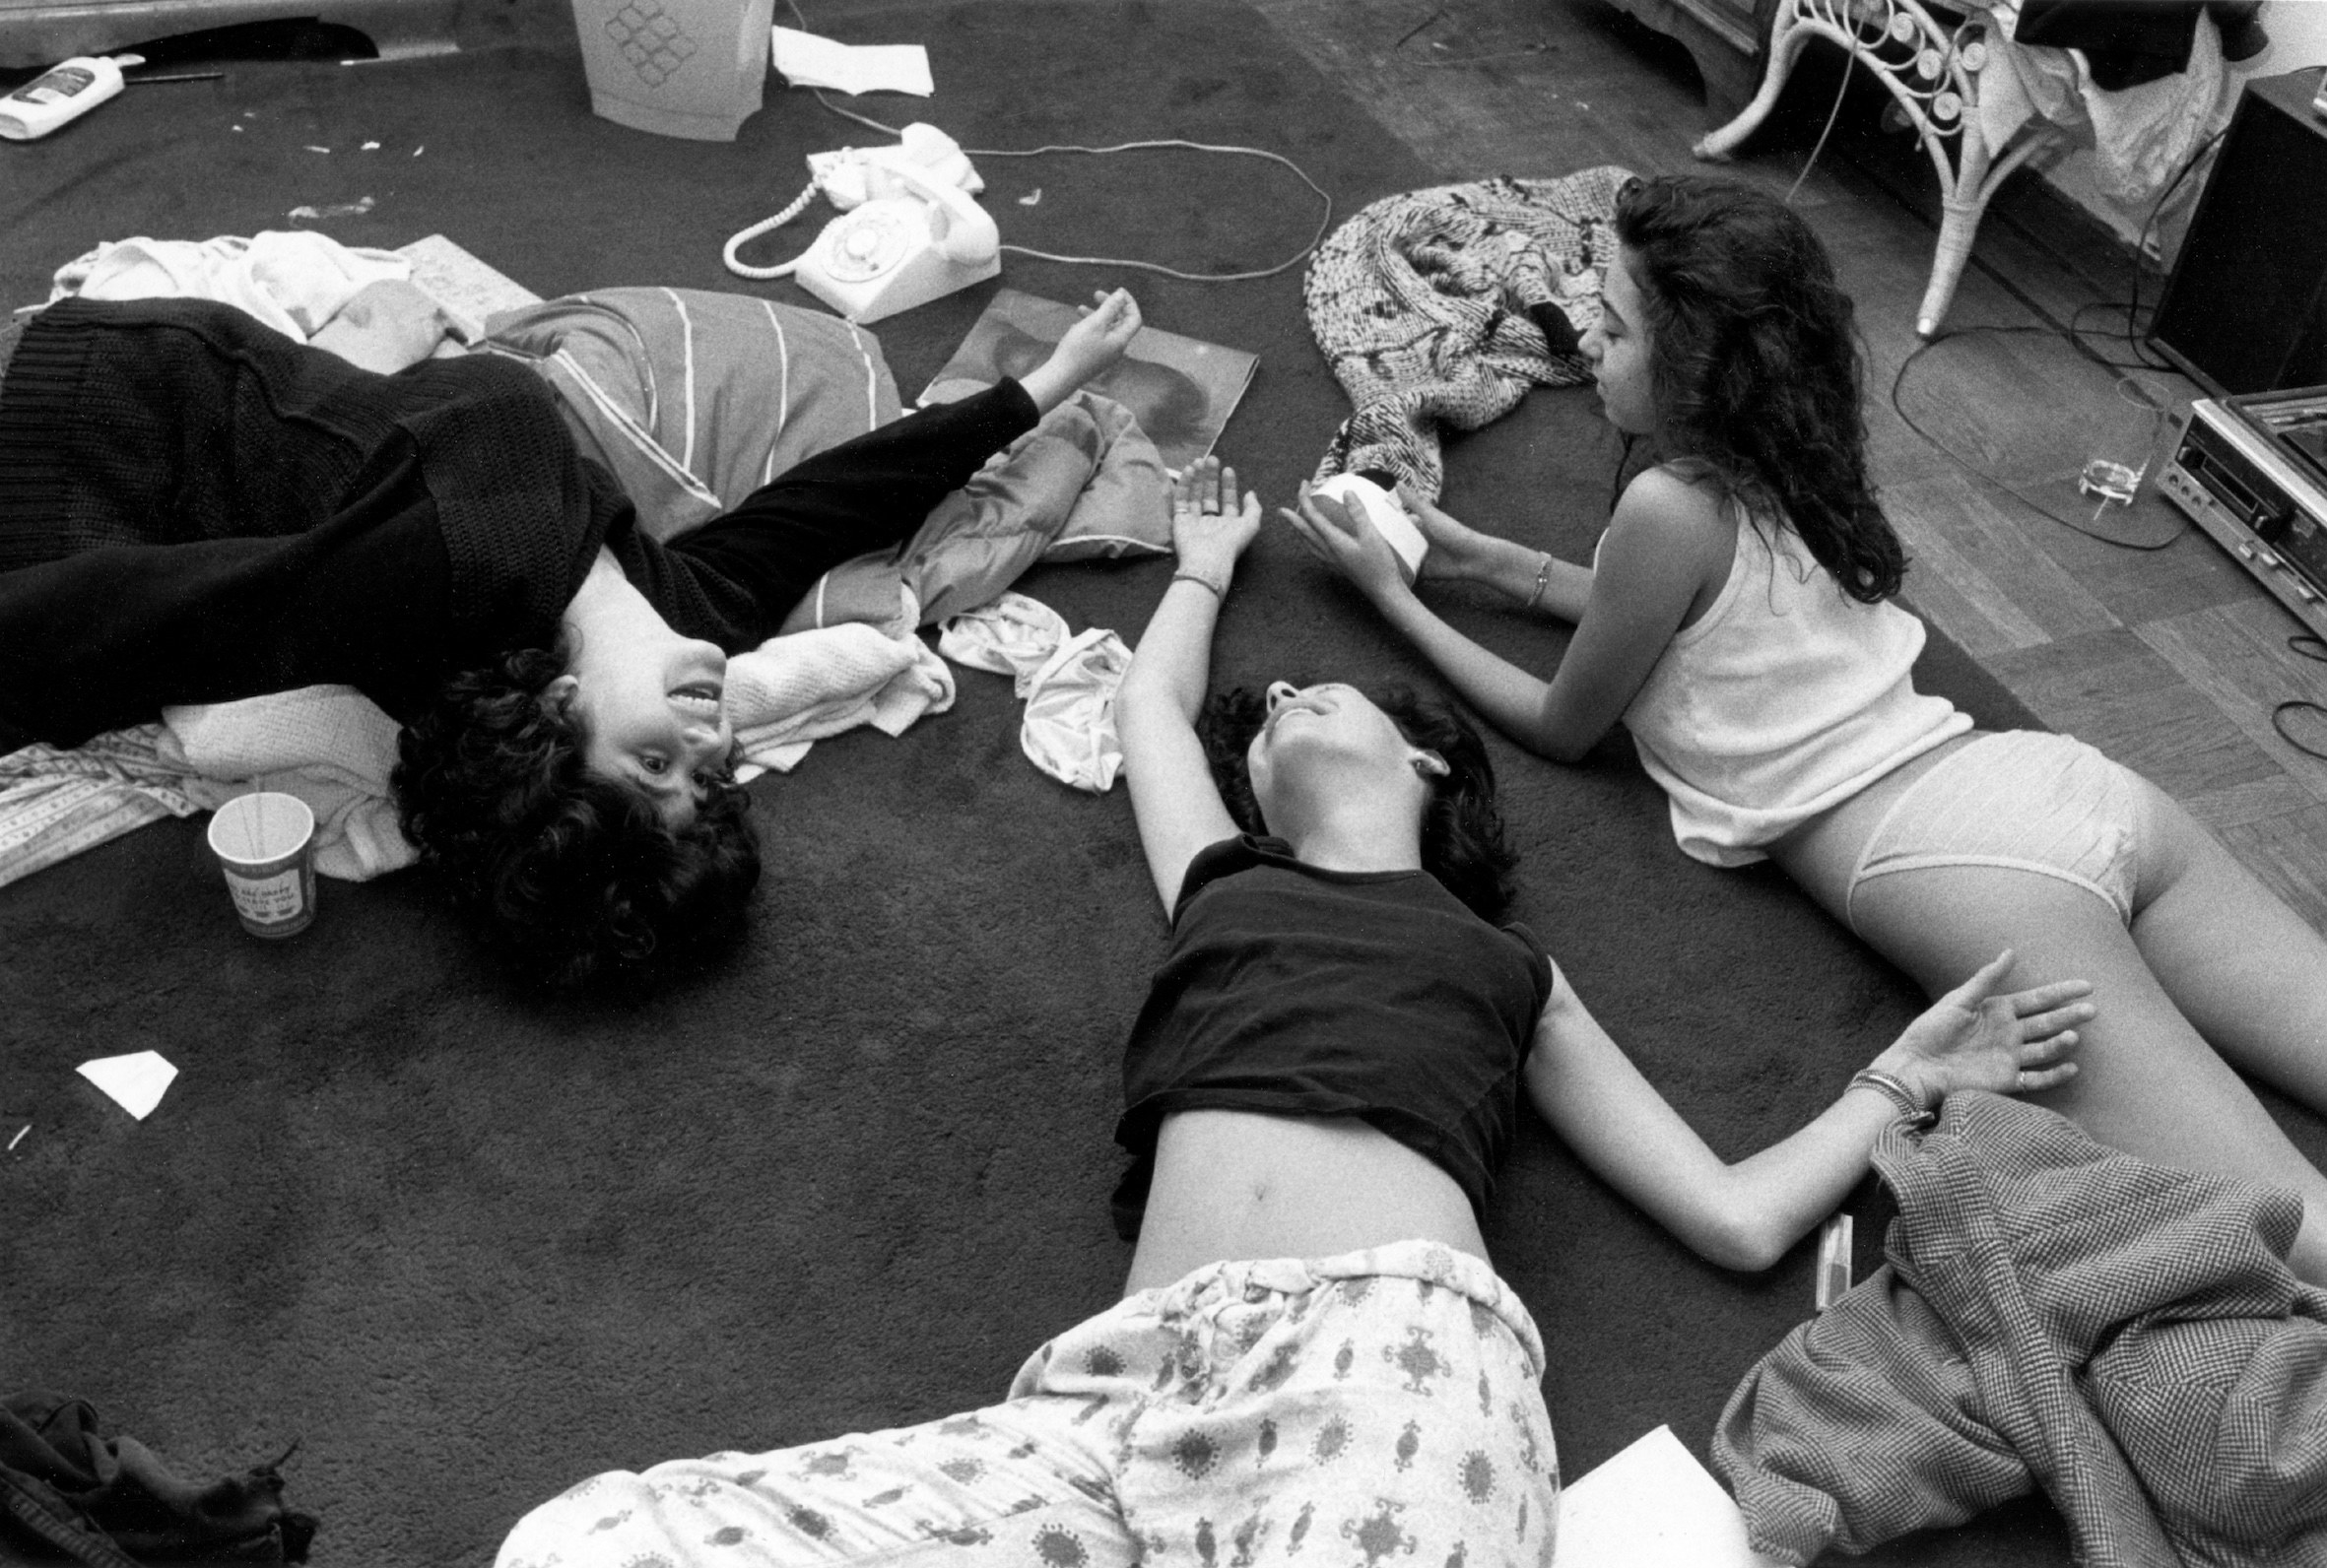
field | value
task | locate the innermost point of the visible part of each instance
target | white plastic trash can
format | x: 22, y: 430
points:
x: 691, y: 68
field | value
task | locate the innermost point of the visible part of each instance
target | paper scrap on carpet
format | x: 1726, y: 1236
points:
x: 1652, y: 1506
x: 136, y: 1083
x: 806, y: 60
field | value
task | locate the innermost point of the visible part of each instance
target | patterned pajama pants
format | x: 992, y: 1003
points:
x: 1342, y: 1413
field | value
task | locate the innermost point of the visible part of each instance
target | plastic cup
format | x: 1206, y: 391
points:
x: 691, y: 68
x: 265, y: 843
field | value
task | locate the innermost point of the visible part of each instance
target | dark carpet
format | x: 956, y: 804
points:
x: 470, y: 1245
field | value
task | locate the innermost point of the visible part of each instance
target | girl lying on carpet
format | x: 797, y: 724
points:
x: 1738, y: 617
x: 1323, y: 1078
x: 195, y: 508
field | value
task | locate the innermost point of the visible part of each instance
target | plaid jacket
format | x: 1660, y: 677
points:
x: 2052, y: 1314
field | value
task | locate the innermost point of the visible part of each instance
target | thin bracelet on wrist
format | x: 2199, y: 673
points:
x: 1218, y: 590
x: 1894, y: 1088
x: 1543, y: 581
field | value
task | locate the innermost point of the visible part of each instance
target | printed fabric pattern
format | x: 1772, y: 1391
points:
x: 2055, y: 1315
x: 1382, y: 1406
x: 1421, y: 304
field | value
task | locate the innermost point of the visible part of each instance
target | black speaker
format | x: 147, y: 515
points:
x: 2245, y: 309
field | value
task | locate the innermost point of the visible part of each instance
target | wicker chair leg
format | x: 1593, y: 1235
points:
x: 1959, y: 226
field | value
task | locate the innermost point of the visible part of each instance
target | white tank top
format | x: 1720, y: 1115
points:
x: 1787, y: 697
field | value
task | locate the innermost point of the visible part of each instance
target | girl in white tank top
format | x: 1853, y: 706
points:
x: 1738, y: 620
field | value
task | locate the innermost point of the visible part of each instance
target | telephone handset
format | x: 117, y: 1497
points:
x: 909, y: 231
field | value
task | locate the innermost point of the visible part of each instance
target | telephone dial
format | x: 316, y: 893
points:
x: 909, y: 229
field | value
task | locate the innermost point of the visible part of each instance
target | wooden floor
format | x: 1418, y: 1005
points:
x: 2170, y: 660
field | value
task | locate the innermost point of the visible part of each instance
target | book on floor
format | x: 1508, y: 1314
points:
x: 1182, y: 389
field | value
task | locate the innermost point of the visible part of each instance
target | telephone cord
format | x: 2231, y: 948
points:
x: 744, y: 237
x: 1324, y: 220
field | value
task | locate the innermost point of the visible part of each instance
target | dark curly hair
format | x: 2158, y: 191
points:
x: 568, y: 877
x: 1462, y: 833
x: 1756, y: 366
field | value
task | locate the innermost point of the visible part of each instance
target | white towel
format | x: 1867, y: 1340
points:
x: 328, y: 745
x: 801, y: 687
x: 295, y: 282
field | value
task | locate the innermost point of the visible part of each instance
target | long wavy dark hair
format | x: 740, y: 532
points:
x: 568, y: 878
x: 1756, y: 366
x: 1462, y: 833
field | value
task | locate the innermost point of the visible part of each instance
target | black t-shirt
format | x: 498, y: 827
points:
x: 1295, y: 990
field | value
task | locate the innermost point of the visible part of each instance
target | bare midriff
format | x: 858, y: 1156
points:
x: 1239, y: 1184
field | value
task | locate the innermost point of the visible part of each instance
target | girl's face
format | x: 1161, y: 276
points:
x: 1320, y: 734
x: 1619, y: 350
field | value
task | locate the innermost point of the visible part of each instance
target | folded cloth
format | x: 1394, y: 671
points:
x: 295, y: 282
x: 1069, y: 684
x: 802, y: 687
x: 55, y: 804
x: 109, y: 1502
x: 2140, y: 135
x: 330, y: 746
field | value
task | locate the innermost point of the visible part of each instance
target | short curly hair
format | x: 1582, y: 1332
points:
x: 570, y: 878
x: 1463, y: 843
x: 1758, y: 367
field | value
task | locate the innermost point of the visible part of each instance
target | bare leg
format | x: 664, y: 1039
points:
x: 2147, y: 1082
x: 2241, y: 966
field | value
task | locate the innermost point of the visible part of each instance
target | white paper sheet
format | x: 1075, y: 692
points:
x: 807, y: 60
x: 135, y: 1082
x: 1652, y: 1506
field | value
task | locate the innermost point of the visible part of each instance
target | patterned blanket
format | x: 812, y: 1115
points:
x: 1421, y: 303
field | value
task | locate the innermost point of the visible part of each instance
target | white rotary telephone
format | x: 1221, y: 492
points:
x: 909, y: 231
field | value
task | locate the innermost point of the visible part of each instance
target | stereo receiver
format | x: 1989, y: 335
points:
x: 2252, y: 472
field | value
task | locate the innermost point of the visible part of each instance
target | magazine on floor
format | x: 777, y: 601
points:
x: 1182, y: 389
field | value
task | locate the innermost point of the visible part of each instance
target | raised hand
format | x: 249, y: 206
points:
x: 1975, y: 1039
x: 1099, y: 338
x: 1211, y: 520
x: 1094, y: 342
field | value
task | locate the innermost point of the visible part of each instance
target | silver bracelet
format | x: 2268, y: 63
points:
x: 1200, y: 580
x: 1543, y: 580
x: 1894, y: 1088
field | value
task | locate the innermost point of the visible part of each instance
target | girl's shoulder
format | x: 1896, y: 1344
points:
x: 1684, y: 521
x: 1675, y: 497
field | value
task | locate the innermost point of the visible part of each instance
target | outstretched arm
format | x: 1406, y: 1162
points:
x: 1744, y: 1215
x: 1173, y: 798
x: 1667, y: 552
x: 1093, y: 344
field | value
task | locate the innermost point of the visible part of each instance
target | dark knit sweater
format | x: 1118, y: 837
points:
x: 195, y: 508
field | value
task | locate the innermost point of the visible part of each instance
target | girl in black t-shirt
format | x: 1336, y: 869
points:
x: 1348, y: 789
x: 1312, y: 1344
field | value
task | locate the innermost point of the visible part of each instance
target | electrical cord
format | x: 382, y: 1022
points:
x: 2142, y: 397
x: 2141, y: 247
x: 2309, y: 646
x: 1849, y: 63
x: 1324, y: 218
